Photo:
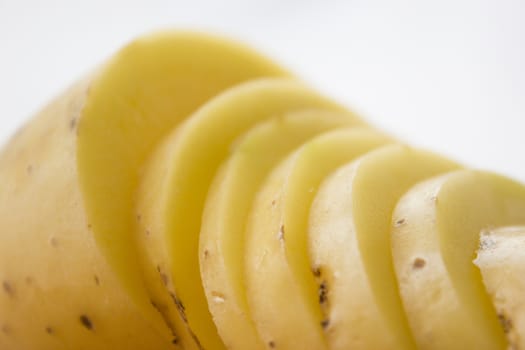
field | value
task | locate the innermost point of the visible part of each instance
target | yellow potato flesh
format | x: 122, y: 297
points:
x: 228, y: 205
x: 145, y: 91
x: 501, y: 260
x: 57, y: 292
x: 280, y: 285
x: 441, y: 223
x: 350, y: 246
x: 189, y: 160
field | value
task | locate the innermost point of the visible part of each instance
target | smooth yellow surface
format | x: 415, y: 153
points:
x: 191, y: 156
x: 281, y: 288
x: 350, y: 245
x: 51, y: 271
x: 457, y: 311
x: 135, y: 100
x: 501, y: 260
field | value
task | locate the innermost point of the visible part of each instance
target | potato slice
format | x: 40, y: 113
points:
x: 227, y: 209
x: 350, y: 246
x: 57, y: 292
x: 135, y: 100
x: 435, y: 236
x: 501, y: 260
x: 181, y: 173
x: 282, y: 291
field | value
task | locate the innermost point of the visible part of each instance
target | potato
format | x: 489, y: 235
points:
x: 280, y: 286
x: 501, y: 260
x: 434, y: 239
x: 349, y: 240
x: 72, y: 174
x: 191, y: 194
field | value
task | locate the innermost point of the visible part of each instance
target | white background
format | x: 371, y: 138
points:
x: 445, y: 75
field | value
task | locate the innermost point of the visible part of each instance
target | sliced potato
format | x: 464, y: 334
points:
x: 350, y: 246
x: 501, y: 260
x: 435, y: 236
x: 228, y: 206
x: 181, y: 172
x: 280, y: 286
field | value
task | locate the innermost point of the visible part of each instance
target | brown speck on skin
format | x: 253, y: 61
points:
x: 180, y: 307
x: 280, y: 234
x: 97, y: 280
x: 73, y: 123
x: 271, y: 344
x: 163, y: 276
x: 139, y: 217
x: 419, y: 263
x: 316, y: 270
x: 273, y: 202
x: 147, y: 232
x: 175, y: 341
x: 206, y: 253
x: 49, y: 330
x: 505, y: 322
x: 400, y: 222
x: 29, y: 169
x: 6, y: 329
x: 86, y: 322
x: 325, y: 323
x: 323, y: 291
x: 53, y: 241
x: 8, y: 289
x: 89, y: 227
x: 29, y: 280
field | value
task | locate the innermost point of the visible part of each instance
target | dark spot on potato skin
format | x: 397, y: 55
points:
x: 323, y: 291
x: 325, y: 323
x: 73, y: 124
x: 206, y: 253
x: 29, y: 280
x: 8, y: 289
x: 6, y: 329
x: 86, y: 322
x: 505, y: 322
x: 271, y: 344
x: 180, y: 307
x: 163, y: 276
x: 316, y: 271
x: 29, y: 169
x: 97, y: 280
x: 49, y: 330
x: 53, y: 241
x: 418, y: 263
x: 400, y: 222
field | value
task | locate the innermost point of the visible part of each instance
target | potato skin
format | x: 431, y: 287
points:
x: 58, y: 292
